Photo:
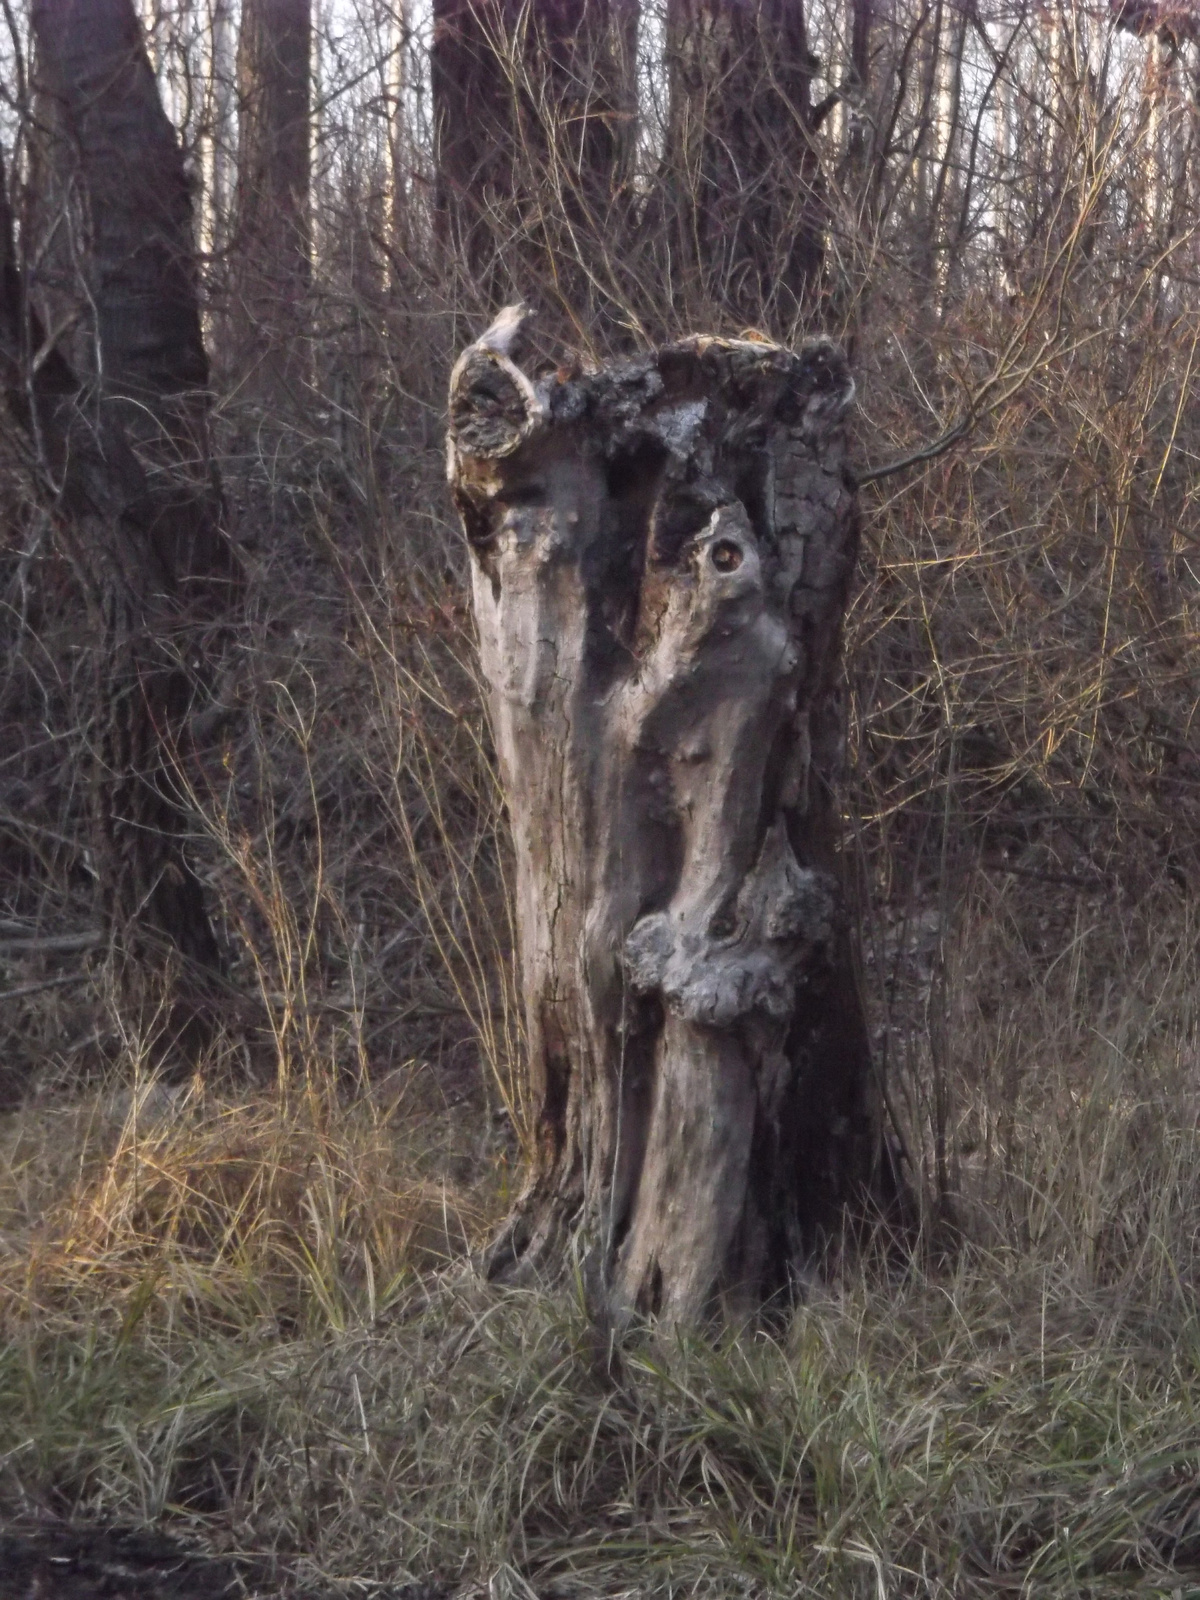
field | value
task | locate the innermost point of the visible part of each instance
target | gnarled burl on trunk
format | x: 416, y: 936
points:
x: 661, y: 555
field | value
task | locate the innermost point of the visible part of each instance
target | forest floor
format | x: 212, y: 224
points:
x: 245, y: 1355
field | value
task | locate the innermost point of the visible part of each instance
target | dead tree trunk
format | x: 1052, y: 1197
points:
x: 123, y: 453
x: 661, y: 553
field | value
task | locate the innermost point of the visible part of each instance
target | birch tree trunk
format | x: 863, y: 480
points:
x: 662, y: 552
x: 219, y: 138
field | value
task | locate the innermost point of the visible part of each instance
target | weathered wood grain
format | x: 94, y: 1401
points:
x: 662, y: 552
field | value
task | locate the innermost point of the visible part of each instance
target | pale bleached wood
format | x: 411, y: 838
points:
x: 661, y: 555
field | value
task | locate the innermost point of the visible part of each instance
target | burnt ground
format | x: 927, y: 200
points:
x: 71, y: 1561
x: 64, y: 1562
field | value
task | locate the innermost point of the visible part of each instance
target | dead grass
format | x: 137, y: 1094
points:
x: 246, y: 1316
x: 278, y: 1211
x: 995, y: 1430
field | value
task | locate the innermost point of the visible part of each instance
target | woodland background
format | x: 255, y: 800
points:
x: 212, y: 1280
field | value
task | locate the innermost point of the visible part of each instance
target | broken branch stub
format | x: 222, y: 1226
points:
x: 661, y: 555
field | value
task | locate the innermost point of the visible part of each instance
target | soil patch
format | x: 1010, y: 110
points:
x: 62, y: 1562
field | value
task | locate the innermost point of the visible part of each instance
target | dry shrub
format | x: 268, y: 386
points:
x: 264, y: 1213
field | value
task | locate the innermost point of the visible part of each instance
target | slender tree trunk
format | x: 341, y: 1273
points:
x: 220, y: 129
x: 273, y: 230
x: 397, y: 221
x: 662, y: 553
x: 741, y: 156
x: 124, y: 454
x: 533, y: 127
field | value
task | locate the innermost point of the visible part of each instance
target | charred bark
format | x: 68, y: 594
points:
x: 533, y: 117
x: 662, y: 552
x: 743, y: 178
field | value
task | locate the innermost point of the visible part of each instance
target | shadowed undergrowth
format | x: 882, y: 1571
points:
x: 996, y: 1429
x: 247, y: 1317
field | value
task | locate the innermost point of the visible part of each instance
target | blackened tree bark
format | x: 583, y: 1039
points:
x: 272, y: 239
x: 662, y: 553
x: 123, y: 452
x: 533, y: 127
x: 741, y: 164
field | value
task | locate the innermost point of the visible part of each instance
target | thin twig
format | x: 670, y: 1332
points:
x: 56, y: 942
x: 916, y: 458
x: 23, y: 825
x: 45, y: 983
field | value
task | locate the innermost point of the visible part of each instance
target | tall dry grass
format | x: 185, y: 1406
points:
x: 200, y: 1332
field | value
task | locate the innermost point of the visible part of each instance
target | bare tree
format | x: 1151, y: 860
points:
x: 272, y: 230
x: 128, y: 167
x: 533, y: 127
x: 122, y: 451
x: 662, y: 553
x: 741, y: 155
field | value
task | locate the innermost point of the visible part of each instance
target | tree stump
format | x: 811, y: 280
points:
x: 661, y: 554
